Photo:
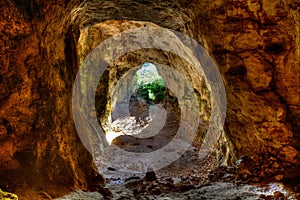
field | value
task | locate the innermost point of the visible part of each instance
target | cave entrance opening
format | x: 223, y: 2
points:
x: 150, y: 85
x: 145, y: 88
x: 126, y: 102
x: 139, y: 101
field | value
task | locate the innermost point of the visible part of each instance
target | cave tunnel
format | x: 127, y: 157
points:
x: 50, y: 150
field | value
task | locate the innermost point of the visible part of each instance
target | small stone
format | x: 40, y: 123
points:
x: 111, y: 169
x: 105, y: 192
x: 150, y: 176
x: 132, y: 178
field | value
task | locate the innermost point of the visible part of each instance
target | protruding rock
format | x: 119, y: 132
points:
x: 150, y: 175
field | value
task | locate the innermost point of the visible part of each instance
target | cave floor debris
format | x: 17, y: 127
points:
x: 187, y: 178
x: 213, y: 191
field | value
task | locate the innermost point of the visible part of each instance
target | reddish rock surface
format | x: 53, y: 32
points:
x: 254, y: 43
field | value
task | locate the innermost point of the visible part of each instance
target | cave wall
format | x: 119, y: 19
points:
x: 92, y: 36
x: 255, y: 44
x: 38, y: 141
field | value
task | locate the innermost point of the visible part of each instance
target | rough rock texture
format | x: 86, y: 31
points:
x: 117, y: 88
x: 38, y: 141
x: 255, y: 44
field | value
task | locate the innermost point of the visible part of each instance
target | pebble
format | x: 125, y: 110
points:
x: 150, y: 176
x: 105, y: 192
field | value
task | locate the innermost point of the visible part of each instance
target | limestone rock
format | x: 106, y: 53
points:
x: 254, y: 43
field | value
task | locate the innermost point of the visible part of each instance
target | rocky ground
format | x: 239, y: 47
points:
x: 216, y: 191
x: 188, y: 177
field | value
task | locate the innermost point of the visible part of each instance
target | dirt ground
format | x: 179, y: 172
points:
x: 186, y: 178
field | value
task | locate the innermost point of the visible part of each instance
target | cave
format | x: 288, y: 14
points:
x: 224, y: 123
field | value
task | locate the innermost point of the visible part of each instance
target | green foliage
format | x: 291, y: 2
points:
x: 152, y: 91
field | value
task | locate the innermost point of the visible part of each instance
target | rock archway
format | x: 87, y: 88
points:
x: 254, y: 43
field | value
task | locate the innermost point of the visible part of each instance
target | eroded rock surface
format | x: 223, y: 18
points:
x: 255, y: 44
